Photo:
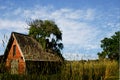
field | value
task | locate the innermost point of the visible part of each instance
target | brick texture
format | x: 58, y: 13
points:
x: 17, y: 56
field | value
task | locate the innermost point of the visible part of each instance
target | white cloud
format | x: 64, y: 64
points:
x: 67, y: 13
x: 89, y: 14
x: 69, y: 21
x: 72, y: 14
x: 80, y: 33
x: 36, y: 12
x: 12, y: 25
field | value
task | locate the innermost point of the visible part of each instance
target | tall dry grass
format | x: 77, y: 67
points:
x: 75, y: 70
x: 91, y: 70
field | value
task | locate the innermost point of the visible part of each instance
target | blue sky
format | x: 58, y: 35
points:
x: 84, y: 23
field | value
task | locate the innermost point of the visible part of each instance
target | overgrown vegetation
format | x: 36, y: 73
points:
x: 75, y: 70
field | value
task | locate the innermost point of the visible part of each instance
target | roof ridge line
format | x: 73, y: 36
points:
x: 20, y: 33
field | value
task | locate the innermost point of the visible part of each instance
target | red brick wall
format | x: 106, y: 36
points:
x: 21, y: 63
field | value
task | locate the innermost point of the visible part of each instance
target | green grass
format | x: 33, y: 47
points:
x: 75, y: 70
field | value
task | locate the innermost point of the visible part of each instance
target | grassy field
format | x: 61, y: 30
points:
x: 92, y: 70
x: 75, y: 70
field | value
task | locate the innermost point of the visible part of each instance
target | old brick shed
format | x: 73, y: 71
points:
x: 23, y: 50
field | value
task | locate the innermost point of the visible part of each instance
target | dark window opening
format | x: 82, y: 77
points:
x: 14, y: 50
x: 21, y: 57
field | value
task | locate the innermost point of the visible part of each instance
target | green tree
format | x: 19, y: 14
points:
x: 110, y: 47
x: 47, y: 34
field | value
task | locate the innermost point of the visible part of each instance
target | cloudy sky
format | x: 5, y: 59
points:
x: 84, y: 23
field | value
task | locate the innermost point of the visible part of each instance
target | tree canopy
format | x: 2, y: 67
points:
x: 47, y: 34
x: 110, y: 47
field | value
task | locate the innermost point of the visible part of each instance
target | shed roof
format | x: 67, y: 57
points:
x: 31, y: 49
